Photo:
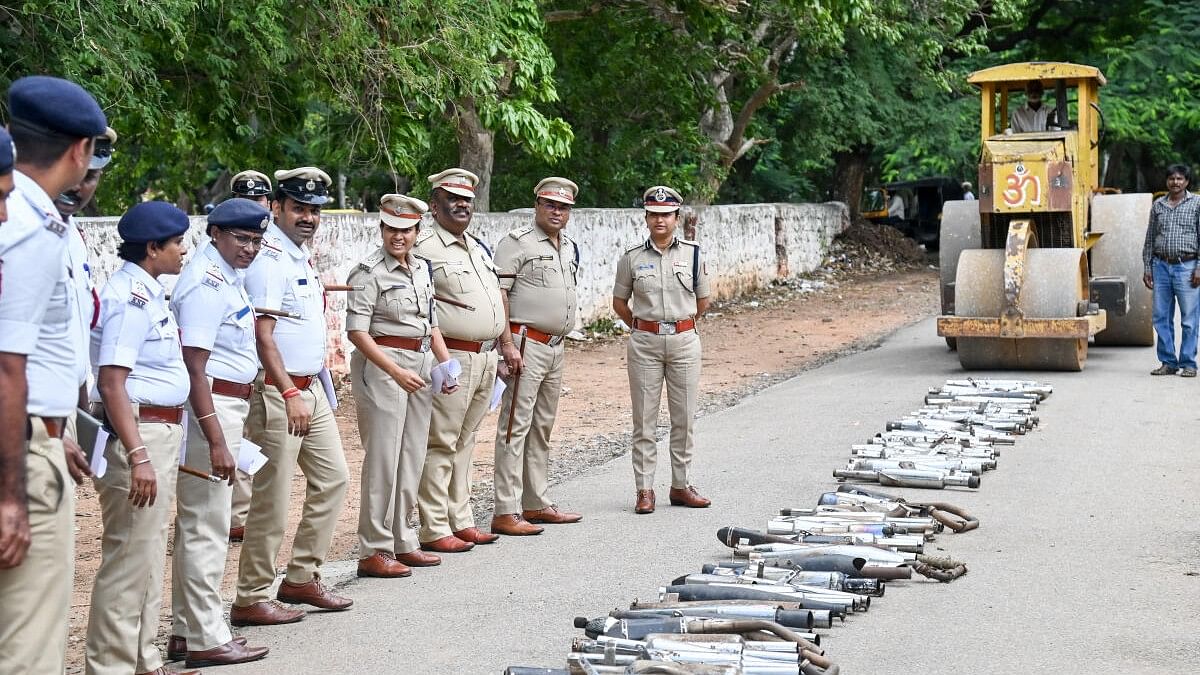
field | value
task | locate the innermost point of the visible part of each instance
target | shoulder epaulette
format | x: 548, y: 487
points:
x: 521, y: 232
x: 425, y: 233
x: 139, y: 295
x: 689, y: 242
x: 213, y: 276
x: 631, y: 249
x: 271, y: 248
x: 371, y: 261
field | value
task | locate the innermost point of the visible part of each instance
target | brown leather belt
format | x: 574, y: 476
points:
x: 398, y: 342
x: 227, y: 388
x: 469, y: 345
x: 535, y: 334
x: 1181, y: 258
x: 160, y: 413
x: 54, y: 426
x: 664, y: 327
x: 300, y: 382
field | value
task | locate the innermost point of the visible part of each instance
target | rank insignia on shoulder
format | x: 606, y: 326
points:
x: 56, y: 226
x: 211, y: 282
x: 424, y: 234
x: 139, y: 295
x: 213, y: 277
x: 521, y: 232
x: 270, y: 248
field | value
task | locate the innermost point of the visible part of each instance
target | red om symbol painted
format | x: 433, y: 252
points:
x: 1022, y: 187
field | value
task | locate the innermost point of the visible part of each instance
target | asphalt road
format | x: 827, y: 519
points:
x: 1083, y: 564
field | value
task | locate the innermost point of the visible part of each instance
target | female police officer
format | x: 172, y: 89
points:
x: 392, y: 324
x: 142, y: 385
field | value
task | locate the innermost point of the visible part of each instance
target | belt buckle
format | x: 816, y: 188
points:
x: 425, y: 342
x: 486, y: 345
x: 665, y: 328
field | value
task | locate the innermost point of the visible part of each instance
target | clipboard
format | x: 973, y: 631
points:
x: 92, y: 435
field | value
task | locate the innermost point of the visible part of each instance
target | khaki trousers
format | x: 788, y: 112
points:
x: 202, y: 533
x: 522, y: 463
x: 243, y: 486
x: 650, y: 360
x: 319, y: 455
x: 127, y: 593
x: 444, y: 497
x: 35, y: 596
x: 394, y: 426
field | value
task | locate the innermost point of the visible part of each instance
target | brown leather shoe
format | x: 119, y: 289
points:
x: 688, y: 497
x: 162, y: 670
x: 550, y: 515
x: 264, y: 613
x: 645, y: 502
x: 227, y: 654
x: 449, y: 544
x: 476, y: 536
x: 514, y: 526
x: 177, y: 647
x: 312, y: 593
x: 419, y: 558
x: 383, y: 566
x: 237, y: 533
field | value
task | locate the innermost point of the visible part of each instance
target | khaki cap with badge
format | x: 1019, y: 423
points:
x: 250, y: 183
x: 307, y: 184
x: 401, y: 211
x: 661, y: 199
x: 557, y: 189
x: 455, y: 181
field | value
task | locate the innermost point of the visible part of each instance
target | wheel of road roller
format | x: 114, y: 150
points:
x: 1054, y: 284
x: 1122, y: 220
x: 960, y: 230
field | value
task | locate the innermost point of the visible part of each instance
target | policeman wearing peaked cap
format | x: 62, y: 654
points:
x: 290, y: 416
x: 543, y: 263
x: 216, y: 322
x: 252, y: 185
x: 141, y: 386
x: 52, y: 123
x: 393, y: 323
x: 660, y: 290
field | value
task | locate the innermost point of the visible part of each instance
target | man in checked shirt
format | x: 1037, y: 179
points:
x: 1169, y: 257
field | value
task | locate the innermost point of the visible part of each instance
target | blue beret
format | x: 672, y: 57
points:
x: 53, y: 104
x: 152, y: 221
x: 8, y: 153
x: 240, y: 214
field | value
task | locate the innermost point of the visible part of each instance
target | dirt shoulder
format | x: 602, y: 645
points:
x: 748, y: 344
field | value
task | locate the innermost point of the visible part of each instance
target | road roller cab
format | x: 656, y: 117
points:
x: 1041, y: 262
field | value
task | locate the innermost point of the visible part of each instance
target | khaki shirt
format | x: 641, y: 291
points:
x: 543, y: 296
x: 662, y: 285
x: 463, y: 272
x: 393, y: 301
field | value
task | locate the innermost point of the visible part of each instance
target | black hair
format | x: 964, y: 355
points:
x: 37, y: 146
x: 1181, y: 169
x: 137, y: 251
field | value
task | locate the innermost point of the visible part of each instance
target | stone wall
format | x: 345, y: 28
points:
x: 746, y: 246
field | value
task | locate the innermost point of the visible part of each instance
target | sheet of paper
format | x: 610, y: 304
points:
x: 99, y: 463
x: 250, y: 457
x: 183, y: 443
x: 327, y: 384
x: 497, y: 394
x: 439, y: 377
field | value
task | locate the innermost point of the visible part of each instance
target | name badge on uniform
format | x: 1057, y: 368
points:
x: 645, y: 266
x: 302, y: 282
x: 402, y: 284
x: 243, y: 311
x: 213, y: 281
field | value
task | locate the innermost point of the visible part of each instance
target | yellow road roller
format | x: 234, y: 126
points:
x: 1043, y: 261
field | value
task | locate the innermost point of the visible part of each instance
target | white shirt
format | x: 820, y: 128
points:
x: 281, y: 278
x: 37, y: 304
x: 215, y: 314
x: 87, y: 300
x: 137, y: 331
x: 1025, y: 119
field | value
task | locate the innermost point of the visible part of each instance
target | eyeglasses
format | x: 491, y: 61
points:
x: 551, y: 205
x: 246, y: 242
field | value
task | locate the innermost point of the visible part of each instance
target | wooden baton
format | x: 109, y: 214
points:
x: 274, y: 312
x: 456, y: 303
x: 184, y: 468
x: 344, y: 287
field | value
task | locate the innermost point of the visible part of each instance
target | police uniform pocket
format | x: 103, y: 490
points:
x: 646, y: 279
x: 45, y: 483
x: 548, y: 275
x: 686, y: 281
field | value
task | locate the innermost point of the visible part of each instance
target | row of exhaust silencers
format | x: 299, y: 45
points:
x: 739, y: 537
x: 913, y: 423
x: 706, y: 592
x: 932, y: 438
x: 785, y: 612
x: 1012, y: 423
x: 908, y: 524
x: 1040, y: 389
x: 835, y: 580
x: 884, y: 450
x: 1021, y: 405
x: 719, y: 648
x: 934, y: 479
x: 980, y: 412
x: 871, y: 554
x: 948, y: 515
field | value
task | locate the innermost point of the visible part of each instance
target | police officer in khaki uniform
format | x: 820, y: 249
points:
x: 472, y: 323
x: 53, y: 124
x: 290, y: 416
x: 539, y: 265
x: 661, y: 287
x: 392, y: 322
x: 256, y: 187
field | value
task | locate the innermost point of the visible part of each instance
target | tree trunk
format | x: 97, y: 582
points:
x: 848, y: 173
x: 476, y: 150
